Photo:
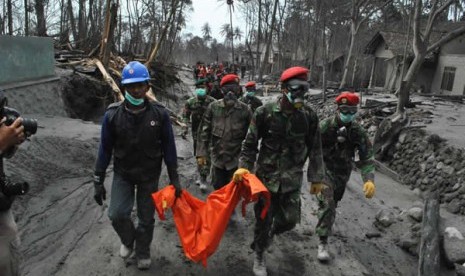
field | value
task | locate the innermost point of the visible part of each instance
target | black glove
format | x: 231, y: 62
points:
x: 174, y: 179
x: 100, y: 193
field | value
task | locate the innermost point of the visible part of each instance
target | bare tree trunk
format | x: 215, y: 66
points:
x: 81, y: 23
x: 154, y: 52
x: 404, y: 57
x: 360, y: 12
x: 247, y: 44
x: 269, y: 40
x: 120, y: 30
x: 278, y: 34
x: 259, y: 38
x: 107, y: 39
x: 404, y: 90
x: 90, y: 17
x: 2, y: 18
x: 354, y: 72
x: 10, y: 17
x: 26, y: 18
x: 315, y: 39
x: 40, y: 13
x: 174, y: 29
x: 350, y: 54
x: 232, y: 33
x: 325, y: 58
x: 72, y: 22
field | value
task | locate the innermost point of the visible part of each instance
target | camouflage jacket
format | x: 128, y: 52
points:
x: 287, y: 141
x: 222, y: 131
x: 252, y: 102
x: 338, y: 156
x: 193, y: 111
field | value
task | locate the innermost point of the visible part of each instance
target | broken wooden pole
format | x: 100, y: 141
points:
x: 429, y: 261
x: 108, y: 79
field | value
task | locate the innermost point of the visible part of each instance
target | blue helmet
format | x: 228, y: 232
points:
x: 135, y: 72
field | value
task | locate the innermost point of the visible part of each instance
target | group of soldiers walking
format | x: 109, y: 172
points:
x: 236, y: 134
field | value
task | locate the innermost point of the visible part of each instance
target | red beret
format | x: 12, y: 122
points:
x: 250, y: 84
x: 229, y: 78
x: 296, y: 72
x: 347, y: 98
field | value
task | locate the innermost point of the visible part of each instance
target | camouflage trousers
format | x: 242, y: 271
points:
x: 327, y: 203
x: 204, y: 171
x: 282, y: 216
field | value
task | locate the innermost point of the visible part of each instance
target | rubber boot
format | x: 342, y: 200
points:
x: 259, y: 264
x: 125, y: 251
x: 323, y: 253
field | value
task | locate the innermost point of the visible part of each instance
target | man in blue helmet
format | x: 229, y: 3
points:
x: 139, y: 135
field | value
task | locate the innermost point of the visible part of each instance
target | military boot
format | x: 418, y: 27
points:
x: 259, y: 264
x: 323, y: 253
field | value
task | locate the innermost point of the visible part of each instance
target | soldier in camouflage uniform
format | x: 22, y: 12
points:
x: 249, y: 98
x: 289, y: 134
x: 223, y: 128
x: 193, y: 112
x: 341, y: 137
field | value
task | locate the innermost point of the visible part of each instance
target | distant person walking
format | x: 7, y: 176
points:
x: 139, y: 135
x: 341, y: 138
x: 193, y: 111
x: 249, y: 97
x: 223, y: 128
x: 284, y: 134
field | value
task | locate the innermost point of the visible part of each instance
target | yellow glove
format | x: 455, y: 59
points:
x: 237, y: 176
x: 202, y: 161
x: 369, y: 189
x: 316, y: 188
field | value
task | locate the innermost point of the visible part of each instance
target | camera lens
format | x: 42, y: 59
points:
x: 12, y: 189
x: 30, y: 126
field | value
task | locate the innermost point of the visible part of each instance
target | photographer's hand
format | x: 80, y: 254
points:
x: 11, y: 135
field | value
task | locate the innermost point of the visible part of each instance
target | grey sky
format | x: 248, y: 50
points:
x: 215, y: 13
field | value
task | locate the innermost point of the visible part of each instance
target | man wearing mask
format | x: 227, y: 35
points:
x: 193, y: 111
x: 138, y: 133
x: 288, y: 134
x: 249, y: 98
x: 341, y: 137
x: 223, y: 128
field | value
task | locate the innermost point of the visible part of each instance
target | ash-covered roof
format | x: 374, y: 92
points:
x: 395, y: 42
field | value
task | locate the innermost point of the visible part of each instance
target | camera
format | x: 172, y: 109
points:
x: 10, y: 115
x: 10, y: 188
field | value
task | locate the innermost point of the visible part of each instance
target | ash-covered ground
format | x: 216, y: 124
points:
x: 64, y: 232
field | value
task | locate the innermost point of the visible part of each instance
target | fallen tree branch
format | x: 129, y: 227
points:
x: 117, y: 92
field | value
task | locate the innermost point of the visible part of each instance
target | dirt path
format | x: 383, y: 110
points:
x: 65, y: 233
